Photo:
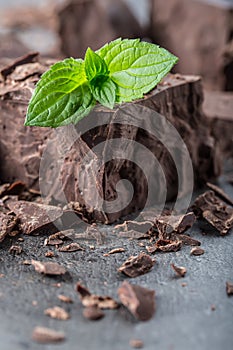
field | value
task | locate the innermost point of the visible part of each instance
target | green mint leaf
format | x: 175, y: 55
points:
x: 135, y: 67
x: 95, y: 66
x: 61, y: 97
x: 105, y: 93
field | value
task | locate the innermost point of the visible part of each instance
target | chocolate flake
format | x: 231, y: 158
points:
x: 88, y: 299
x: 220, y: 193
x: 57, y: 312
x: 93, y: 313
x: 45, y: 335
x: 34, y: 217
x: 48, y: 268
x: 179, y: 270
x: 72, y: 247
x: 197, y: 251
x: 138, y: 300
x: 137, y: 265
x: 115, y: 251
x: 187, y: 240
x: 65, y: 299
x: 229, y: 288
x: 136, y: 343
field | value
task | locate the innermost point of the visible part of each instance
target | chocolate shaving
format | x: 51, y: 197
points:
x: 229, y: 288
x: 115, y: 251
x: 34, y: 217
x: 88, y: 299
x: 57, y: 312
x: 197, y: 251
x: 137, y: 265
x: 179, y: 270
x: 214, y: 211
x: 48, y: 268
x: 72, y: 247
x: 65, y: 299
x: 29, y: 58
x: 138, y: 300
x: 165, y: 245
x: 93, y: 313
x: 45, y: 335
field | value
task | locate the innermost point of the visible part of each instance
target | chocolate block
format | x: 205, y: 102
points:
x: 66, y: 175
x: 92, y: 23
x: 199, y: 32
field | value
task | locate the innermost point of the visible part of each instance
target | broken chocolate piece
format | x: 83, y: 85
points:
x: 48, y: 268
x: 137, y: 265
x: 220, y: 193
x: 14, y: 189
x: 229, y: 288
x: 72, y: 247
x: 136, y: 343
x: 179, y: 270
x: 115, y: 251
x: 138, y: 226
x: 35, y: 218
x: 139, y: 301
x: 187, y: 240
x: 165, y: 245
x: 214, y: 211
x: 45, y: 335
x: 93, y: 313
x: 197, y: 251
x: 88, y: 299
x: 57, y: 312
x: 29, y: 58
x: 8, y: 223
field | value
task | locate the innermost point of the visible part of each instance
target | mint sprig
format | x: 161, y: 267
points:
x: 121, y: 71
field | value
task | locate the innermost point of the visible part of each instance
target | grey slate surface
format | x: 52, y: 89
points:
x: 183, y: 319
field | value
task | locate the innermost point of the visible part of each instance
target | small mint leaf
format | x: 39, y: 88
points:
x: 105, y: 93
x: 94, y: 66
x: 61, y: 97
x: 135, y: 67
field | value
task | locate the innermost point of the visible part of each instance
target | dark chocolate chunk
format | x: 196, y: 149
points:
x: 35, y: 218
x: 48, y: 268
x: 88, y: 299
x: 220, y: 193
x: 137, y: 265
x: 45, y: 335
x: 214, y: 211
x: 8, y: 223
x: 139, y: 301
x: 229, y: 288
x: 93, y: 313
x: 197, y: 251
x: 187, y: 240
x: 16, y: 188
x: 179, y: 270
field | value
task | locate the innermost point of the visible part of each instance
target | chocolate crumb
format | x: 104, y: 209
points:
x: 57, y: 312
x: 15, y: 250
x: 136, y: 343
x: 88, y: 299
x: 197, y: 251
x: 213, y: 307
x: 93, y: 313
x: 229, y: 288
x: 114, y: 251
x: 45, y: 335
x: 137, y: 265
x: 72, y: 247
x: 65, y: 299
x: 49, y: 254
x: 48, y: 268
x: 138, y: 300
x: 180, y: 270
